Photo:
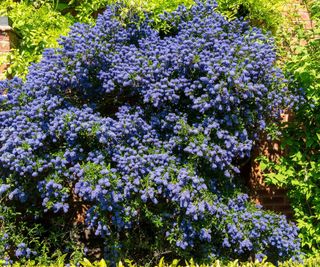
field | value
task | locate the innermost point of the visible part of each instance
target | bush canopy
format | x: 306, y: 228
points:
x: 132, y: 141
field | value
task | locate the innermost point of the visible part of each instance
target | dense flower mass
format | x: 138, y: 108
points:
x: 147, y: 132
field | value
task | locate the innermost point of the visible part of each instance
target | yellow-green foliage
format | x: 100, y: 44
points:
x: 263, y: 13
x: 158, y: 7
x: 311, y: 262
x: 41, y: 22
x: 39, y: 27
x: 87, y: 9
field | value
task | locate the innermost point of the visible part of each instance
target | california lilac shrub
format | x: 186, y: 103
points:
x: 145, y: 133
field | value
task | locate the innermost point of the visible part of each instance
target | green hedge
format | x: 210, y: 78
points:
x: 41, y: 22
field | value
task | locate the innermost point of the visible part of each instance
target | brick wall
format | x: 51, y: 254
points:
x: 8, y: 40
x: 271, y: 197
x: 296, y: 11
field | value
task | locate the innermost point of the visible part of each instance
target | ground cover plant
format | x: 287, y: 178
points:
x: 60, y: 262
x: 125, y: 142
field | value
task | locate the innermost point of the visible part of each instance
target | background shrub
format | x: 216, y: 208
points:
x: 41, y: 22
x: 261, y: 13
x: 39, y: 27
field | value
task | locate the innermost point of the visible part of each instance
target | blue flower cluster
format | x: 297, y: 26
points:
x: 23, y: 251
x: 148, y: 132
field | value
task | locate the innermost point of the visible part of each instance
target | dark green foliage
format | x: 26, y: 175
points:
x: 299, y: 169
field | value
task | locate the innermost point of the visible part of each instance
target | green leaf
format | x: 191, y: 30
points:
x: 87, y: 263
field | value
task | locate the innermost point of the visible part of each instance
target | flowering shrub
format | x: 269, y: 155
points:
x: 144, y: 135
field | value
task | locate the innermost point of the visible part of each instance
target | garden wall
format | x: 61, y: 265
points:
x: 271, y: 197
x: 299, y: 13
x: 8, y: 40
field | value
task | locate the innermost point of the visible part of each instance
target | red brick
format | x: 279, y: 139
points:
x: 4, y: 36
x: 3, y: 67
x: 5, y: 46
x: 304, y: 15
x: 14, y: 39
x: 8, y: 40
x: 308, y: 25
x: 273, y: 200
x: 281, y: 209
